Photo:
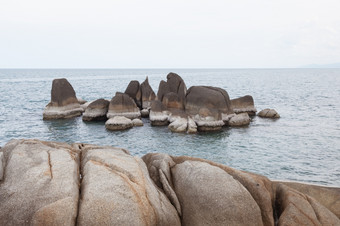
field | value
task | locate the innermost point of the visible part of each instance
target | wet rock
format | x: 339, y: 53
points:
x: 118, y: 123
x: 137, y: 122
x: 206, y: 105
x: 123, y: 105
x: 145, y: 113
x: 64, y: 103
x: 41, y: 183
x: 96, y: 110
x: 117, y: 190
x: 158, y: 114
x: 268, y: 113
x: 179, y: 125
x: 241, y: 119
x: 148, y: 94
x: 134, y: 91
x: 244, y: 104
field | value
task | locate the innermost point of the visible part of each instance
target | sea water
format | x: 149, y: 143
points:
x: 303, y: 145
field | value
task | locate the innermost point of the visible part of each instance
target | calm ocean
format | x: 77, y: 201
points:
x: 303, y: 145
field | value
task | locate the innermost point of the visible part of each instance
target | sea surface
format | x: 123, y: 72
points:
x: 303, y: 145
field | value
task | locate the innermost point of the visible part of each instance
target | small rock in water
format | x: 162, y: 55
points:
x: 268, y: 113
x: 242, y: 119
x: 118, y: 123
x: 137, y: 122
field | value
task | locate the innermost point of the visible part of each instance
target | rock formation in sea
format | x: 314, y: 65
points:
x: 96, y: 110
x: 50, y: 183
x: 200, y: 108
x: 268, y: 113
x: 123, y: 105
x: 64, y: 103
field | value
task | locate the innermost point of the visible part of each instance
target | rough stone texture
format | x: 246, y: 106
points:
x: 148, y: 95
x: 327, y: 196
x: 295, y: 208
x: 244, y: 104
x: 81, y: 101
x: 117, y: 190
x: 268, y: 113
x: 192, y: 127
x: 163, y: 89
x: 123, y: 105
x: 64, y: 103
x: 172, y: 100
x: 2, y: 165
x: 137, y: 122
x: 210, y: 196
x: 96, y: 110
x: 206, y: 105
x: 134, y: 91
x: 179, y: 125
x: 145, y: 113
x: 41, y: 183
x: 158, y: 114
x: 118, y: 123
x: 241, y: 119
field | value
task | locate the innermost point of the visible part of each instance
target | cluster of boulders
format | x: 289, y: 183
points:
x: 50, y: 183
x: 199, y: 108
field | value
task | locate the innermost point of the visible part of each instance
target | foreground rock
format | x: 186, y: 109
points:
x: 118, y: 123
x: 123, y: 105
x: 41, y: 184
x: 244, y: 105
x: 208, y: 106
x: 268, y: 113
x: 209, y: 193
x: 64, y: 103
x: 96, y: 110
x: 117, y: 190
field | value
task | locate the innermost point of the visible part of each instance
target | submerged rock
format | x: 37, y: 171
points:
x: 118, y: 123
x: 137, y: 122
x: 123, y: 105
x: 64, y: 103
x: 268, y: 113
x: 96, y: 110
x: 244, y: 104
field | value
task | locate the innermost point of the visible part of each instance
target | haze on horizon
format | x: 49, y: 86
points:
x: 168, y: 34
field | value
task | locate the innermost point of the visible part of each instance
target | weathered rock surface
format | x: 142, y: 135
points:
x: 2, y: 165
x: 268, y: 113
x: 176, y: 86
x: 117, y: 190
x: 96, y: 110
x: 41, y: 184
x: 134, y: 91
x: 182, y: 124
x: 244, y: 104
x: 137, y: 122
x: 241, y: 119
x: 206, y: 105
x: 158, y: 114
x: 118, y: 123
x: 123, y: 105
x: 64, y: 103
x: 148, y: 95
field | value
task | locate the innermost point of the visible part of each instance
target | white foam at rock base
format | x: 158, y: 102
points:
x: 130, y: 115
x: 158, y: 116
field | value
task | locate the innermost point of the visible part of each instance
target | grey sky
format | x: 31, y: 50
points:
x: 168, y: 34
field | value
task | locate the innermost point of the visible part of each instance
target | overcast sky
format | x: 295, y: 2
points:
x: 168, y: 34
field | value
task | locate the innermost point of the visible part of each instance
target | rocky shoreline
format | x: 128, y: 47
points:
x: 50, y: 183
x: 199, y: 108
